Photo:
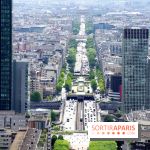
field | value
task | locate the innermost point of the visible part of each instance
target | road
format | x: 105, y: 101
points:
x: 79, y: 116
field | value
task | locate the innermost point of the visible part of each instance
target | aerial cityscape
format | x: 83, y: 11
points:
x: 75, y: 75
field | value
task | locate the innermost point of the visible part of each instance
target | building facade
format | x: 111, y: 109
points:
x: 20, y: 86
x: 148, y: 83
x: 135, y: 52
x: 6, y: 138
x: 6, y: 55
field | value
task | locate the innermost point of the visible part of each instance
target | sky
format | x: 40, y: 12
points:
x: 83, y: 1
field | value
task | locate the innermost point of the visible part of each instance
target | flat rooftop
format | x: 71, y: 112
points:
x: 16, y: 145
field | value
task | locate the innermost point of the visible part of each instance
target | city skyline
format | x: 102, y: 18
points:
x: 72, y: 71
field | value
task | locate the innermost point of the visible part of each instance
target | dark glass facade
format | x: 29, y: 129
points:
x: 135, y: 52
x: 6, y: 55
x: 116, y: 82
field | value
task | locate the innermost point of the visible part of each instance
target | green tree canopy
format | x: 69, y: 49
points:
x: 49, y: 98
x: 70, y: 75
x: 108, y: 118
x: 62, y: 75
x: 91, y: 75
x: 54, y: 138
x: 73, y: 43
x: 89, y: 27
x: 60, y: 137
x: 56, y: 128
x: 61, y: 145
x: 90, y: 43
x: 68, y: 82
x: 91, y: 53
x: 54, y: 115
x: 59, y: 87
x: 101, y: 81
x: 35, y: 97
x: 68, y: 85
x: 93, y: 84
x: 60, y: 81
x: 76, y: 26
x: 103, y: 145
x: 72, y: 56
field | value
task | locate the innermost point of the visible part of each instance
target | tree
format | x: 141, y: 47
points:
x: 103, y: 145
x: 58, y: 87
x: 49, y: 98
x: 54, y: 138
x: 54, y: 115
x: 61, y: 145
x: 89, y: 27
x: 71, y: 59
x: 72, y: 56
x: 108, y: 118
x: 92, y: 75
x: 62, y: 75
x: 60, y: 81
x: 60, y: 137
x: 56, y: 128
x: 93, y: 84
x: 68, y: 85
x: 75, y: 26
x: 91, y: 53
x: 73, y: 43
x: 90, y: 43
x: 36, y: 97
x: 68, y: 82
x: 101, y: 81
x: 70, y: 75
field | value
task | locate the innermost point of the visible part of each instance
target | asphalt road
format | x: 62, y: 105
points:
x: 79, y: 116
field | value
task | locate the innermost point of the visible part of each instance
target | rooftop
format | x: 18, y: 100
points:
x: 18, y: 140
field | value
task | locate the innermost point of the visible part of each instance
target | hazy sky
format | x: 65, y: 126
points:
x: 82, y: 1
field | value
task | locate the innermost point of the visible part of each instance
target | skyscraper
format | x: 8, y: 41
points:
x: 148, y: 83
x: 135, y: 52
x: 20, y: 86
x: 6, y: 55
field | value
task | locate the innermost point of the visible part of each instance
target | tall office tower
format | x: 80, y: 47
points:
x: 148, y: 83
x: 6, y: 55
x: 135, y: 52
x: 20, y: 86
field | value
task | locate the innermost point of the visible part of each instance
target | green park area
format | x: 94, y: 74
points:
x: 71, y: 59
x: 101, y: 82
x: 103, y: 145
x: 43, y: 138
x: 68, y: 82
x: 58, y: 143
x: 72, y: 50
x: 61, y: 145
x: 60, y: 81
x: 89, y: 27
x: 91, y: 52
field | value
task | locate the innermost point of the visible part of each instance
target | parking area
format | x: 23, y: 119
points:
x: 82, y: 63
x: 69, y: 119
x: 89, y: 113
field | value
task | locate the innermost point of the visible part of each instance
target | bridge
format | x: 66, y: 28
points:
x: 46, y: 105
x: 81, y: 98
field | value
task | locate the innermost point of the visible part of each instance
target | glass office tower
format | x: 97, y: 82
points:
x: 6, y: 55
x: 135, y: 52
